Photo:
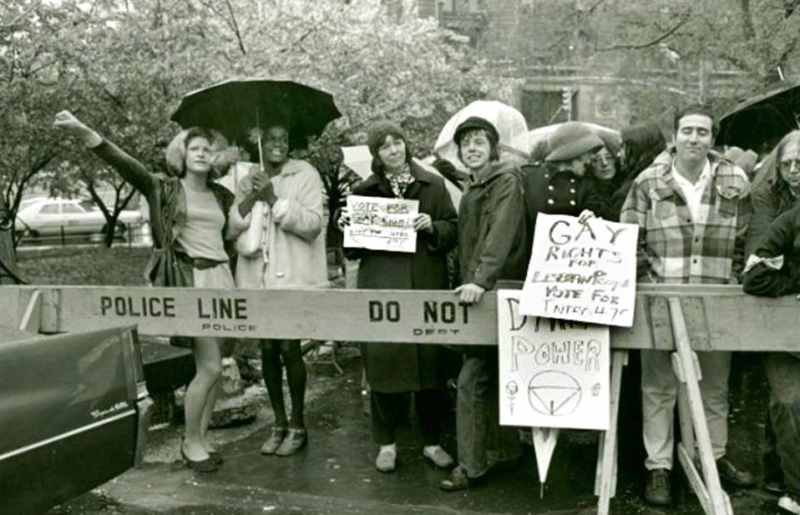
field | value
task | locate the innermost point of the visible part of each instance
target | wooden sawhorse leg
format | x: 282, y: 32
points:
x: 694, y: 429
x: 605, y: 485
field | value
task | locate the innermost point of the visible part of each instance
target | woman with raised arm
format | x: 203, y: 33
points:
x: 188, y: 219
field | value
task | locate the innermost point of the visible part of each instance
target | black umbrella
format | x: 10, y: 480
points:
x: 235, y: 106
x: 760, y: 121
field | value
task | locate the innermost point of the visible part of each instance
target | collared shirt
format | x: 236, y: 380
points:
x: 676, y: 247
x: 693, y: 192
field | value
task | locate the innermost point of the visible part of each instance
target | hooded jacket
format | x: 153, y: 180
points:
x: 492, y: 228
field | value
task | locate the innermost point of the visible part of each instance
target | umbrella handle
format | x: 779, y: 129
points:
x: 260, y: 153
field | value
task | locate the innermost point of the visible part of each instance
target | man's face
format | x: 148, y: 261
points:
x: 789, y: 163
x: 694, y: 137
x: 475, y: 149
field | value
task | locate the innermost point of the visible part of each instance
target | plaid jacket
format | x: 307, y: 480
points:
x: 675, y: 249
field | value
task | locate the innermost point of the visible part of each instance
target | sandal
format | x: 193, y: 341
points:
x: 276, y: 438
x: 295, y: 440
x: 459, y: 480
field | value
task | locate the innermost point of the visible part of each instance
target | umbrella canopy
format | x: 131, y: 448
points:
x: 509, y: 122
x: 235, y: 106
x: 358, y: 159
x: 538, y: 138
x: 760, y: 121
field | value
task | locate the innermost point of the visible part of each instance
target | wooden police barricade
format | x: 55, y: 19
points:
x: 682, y: 319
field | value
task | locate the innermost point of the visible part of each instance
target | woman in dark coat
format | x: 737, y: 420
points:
x: 395, y: 370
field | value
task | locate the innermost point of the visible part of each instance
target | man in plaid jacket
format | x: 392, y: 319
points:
x: 692, y: 207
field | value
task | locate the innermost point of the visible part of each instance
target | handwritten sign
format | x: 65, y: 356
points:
x: 582, y: 271
x: 553, y: 373
x: 381, y: 224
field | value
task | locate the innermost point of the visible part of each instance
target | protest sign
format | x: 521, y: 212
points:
x: 553, y: 373
x: 378, y: 223
x: 582, y: 271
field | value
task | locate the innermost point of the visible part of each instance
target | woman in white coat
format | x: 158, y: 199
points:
x: 290, y: 254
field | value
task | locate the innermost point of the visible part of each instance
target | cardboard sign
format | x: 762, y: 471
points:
x: 582, y: 271
x: 381, y: 224
x: 552, y: 373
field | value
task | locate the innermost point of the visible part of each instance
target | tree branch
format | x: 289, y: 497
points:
x: 652, y: 42
x: 235, y: 27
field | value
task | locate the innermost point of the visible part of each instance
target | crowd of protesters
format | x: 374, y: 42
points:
x: 699, y: 220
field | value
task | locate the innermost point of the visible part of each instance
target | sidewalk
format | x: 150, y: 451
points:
x: 336, y: 473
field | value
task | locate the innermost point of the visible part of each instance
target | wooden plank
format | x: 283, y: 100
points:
x: 698, y: 417
x: 660, y: 324
x: 694, y: 314
x: 736, y: 322
x: 686, y: 459
x: 608, y: 450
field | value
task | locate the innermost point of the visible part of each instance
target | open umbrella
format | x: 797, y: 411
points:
x: 235, y: 106
x: 509, y: 122
x: 764, y: 118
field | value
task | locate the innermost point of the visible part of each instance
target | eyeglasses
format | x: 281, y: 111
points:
x: 792, y: 165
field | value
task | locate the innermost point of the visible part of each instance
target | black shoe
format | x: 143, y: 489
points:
x: 774, y: 486
x: 216, y: 457
x: 206, y: 465
x: 734, y: 476
x: 657, y: 490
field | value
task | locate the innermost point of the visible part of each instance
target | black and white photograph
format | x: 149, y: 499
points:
x: 286, y: 257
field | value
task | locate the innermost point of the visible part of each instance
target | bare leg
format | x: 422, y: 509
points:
x: 208, y: 412
x: 296, y: 376
x: 209, y: 368
x: 273, y: 379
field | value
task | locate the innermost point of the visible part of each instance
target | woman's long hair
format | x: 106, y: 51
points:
x: 642, y: 143
x: 780, y: 188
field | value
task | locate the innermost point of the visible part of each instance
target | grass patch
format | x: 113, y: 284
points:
x: 90, y: 266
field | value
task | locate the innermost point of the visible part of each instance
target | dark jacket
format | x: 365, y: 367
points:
x: 491, y: 228
x: 770, y: 199
x: 781, y: 238
x: 556, y: 193
x: 400, y: 367
x: 166, y: 200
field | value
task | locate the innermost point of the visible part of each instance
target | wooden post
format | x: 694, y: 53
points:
x: 708, y: 488
x: 606, y: 478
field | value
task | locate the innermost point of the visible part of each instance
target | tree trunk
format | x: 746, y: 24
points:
x: 111, y: 226
x: 8, y: 256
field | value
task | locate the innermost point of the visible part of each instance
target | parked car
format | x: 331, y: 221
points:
x: 74, y: 411
x: 48, y: 215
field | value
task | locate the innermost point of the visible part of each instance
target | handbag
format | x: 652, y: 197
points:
x: 249, y: 243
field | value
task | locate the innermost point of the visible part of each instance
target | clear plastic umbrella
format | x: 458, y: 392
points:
x: 537, y: 138
x: 509, y: 122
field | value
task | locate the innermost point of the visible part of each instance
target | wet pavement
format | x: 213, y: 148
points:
x: 336, y: 473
